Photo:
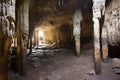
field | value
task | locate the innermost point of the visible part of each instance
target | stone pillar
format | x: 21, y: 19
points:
x: 98, y: 10
x: 19, y: 40
x: 97, y: 45
x: 77, y: 17
x: 20, y: 31
x: 104, y: 44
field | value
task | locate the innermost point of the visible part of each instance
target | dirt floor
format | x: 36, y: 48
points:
x: 64, y: 65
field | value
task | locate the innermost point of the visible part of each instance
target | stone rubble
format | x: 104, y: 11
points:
x: 116, y: 65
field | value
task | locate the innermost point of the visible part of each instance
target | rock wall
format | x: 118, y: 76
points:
x: 62, y: 34
x: 112, y: 22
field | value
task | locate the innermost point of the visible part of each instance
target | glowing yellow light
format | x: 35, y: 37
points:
x: 41, y: 33
x: 41, y: 37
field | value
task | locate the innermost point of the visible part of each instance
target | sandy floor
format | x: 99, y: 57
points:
x: 64, y: 65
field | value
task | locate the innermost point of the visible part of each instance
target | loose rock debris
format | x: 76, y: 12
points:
x: 65, y: 66
x: 116, y: 65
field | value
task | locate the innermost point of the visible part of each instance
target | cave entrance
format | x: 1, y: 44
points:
x: 41, y: 37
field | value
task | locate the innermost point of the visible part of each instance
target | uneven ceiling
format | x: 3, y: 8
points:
x: 55, y: 12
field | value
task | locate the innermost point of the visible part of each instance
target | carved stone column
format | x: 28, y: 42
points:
x: 98, y: 10
x: 77, y: 17
x: 104, y: 44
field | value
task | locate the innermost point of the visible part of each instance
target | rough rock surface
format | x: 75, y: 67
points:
x: 112, y: 22
x: 116, y: 65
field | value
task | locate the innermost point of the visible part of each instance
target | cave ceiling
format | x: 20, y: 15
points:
x: 53, y: 13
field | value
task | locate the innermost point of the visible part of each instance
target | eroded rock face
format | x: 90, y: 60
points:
x: 116, y: 65
x: 5, y: 39
x: 11, y: 8
x: 7, y: 17
x: 112, y: 21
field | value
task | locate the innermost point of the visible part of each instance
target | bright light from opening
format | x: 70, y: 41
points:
x: 41, y: 33
x: 41, y: 37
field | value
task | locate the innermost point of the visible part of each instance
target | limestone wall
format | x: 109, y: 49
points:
x: 112, y: 21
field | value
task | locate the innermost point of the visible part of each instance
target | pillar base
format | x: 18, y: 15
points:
x: 97, y: 67
x: 77, y: 46
x: 77, y: 54
x: 106, y: 60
